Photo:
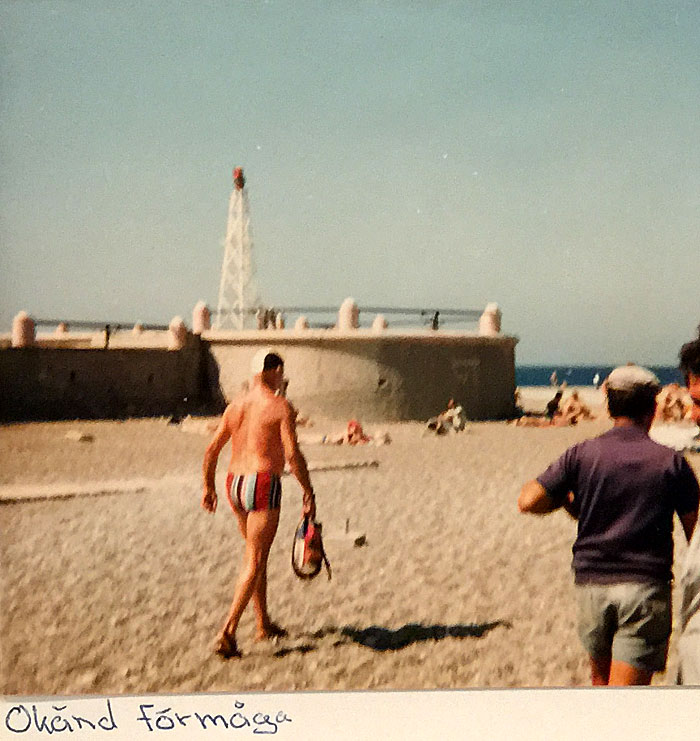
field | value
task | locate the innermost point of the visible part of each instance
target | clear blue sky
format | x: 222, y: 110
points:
x: 542, y: 154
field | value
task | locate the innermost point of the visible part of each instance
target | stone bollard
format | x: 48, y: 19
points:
x: 61, y: 329
x: 301, y: 323
x: 201, y: 318
x: 138, y: 329
x: 490, y: 321
x: 23, y: 330
x: 379, y: 324
x: 348, y: 315
x: 279, y: 320
x: 177, y: 334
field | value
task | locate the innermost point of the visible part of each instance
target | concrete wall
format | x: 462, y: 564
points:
x: 337, y: 375
x: 387, y: 377
x: 70, y: 383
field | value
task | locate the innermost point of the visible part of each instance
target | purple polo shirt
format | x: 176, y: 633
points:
x: 626, y: 488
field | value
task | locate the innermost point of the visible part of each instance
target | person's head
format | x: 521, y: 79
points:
x: 631, y: 392
x: 690, y: 368
x: 268, y: 366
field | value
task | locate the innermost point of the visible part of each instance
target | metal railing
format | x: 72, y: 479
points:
x: 324, y: 317
x: 97, y: 325
x: 318, y: 317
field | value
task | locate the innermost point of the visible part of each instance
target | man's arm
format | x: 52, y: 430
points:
x: 535, y: 500
x: 295, y: 458
x: 211, y: 456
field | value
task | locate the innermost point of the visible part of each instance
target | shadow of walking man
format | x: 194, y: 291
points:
x: 384, y: 639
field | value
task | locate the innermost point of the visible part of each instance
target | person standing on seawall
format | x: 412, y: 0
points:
x: 623, y: 488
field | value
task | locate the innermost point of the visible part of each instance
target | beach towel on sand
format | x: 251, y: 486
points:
x: 308, y: 554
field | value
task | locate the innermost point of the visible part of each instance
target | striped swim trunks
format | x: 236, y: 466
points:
x: 254, y: 492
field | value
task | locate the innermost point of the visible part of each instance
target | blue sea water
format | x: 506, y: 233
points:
x: 582, y: 375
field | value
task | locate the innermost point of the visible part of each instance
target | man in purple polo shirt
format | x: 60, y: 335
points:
x: 623, y: 489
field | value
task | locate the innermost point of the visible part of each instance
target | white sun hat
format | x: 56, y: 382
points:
x: 628, y: 377
x: 257, y: 364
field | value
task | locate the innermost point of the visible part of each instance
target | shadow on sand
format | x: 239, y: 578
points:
x: 384, y: 639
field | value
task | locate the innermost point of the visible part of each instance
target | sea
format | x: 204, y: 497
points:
x: 583, y: 375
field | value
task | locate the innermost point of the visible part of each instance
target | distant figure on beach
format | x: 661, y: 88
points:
x: 261, y: 426
x: 534, y: 420
x: 355, y: 435
x: 596, y: 380
x: 689, y: 643
x: 556, y: 414
x: 672, y: 405
x: 573, y: 409
x: 553, y: 405
x: 623, y: 489
x: 452, y: 419
x: 554, y: 379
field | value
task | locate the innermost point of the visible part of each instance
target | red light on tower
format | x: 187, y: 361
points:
x: 238, y: 179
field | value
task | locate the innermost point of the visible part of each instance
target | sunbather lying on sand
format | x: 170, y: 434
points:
x: 573, y: 407
x: 672, y: 404
x: 452, y: 419
x: 558, y: 420
x: 353, y: 435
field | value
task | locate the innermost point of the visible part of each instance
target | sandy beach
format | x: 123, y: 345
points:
x: 116, y: 581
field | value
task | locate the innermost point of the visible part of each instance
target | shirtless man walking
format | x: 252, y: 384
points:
x: 262, y: 428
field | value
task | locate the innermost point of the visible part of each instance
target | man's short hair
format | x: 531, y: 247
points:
x: 690, y: 358
x: 264, y: 360
x: 636, y: 404
x: 632, y: 392
x: 272, y: 360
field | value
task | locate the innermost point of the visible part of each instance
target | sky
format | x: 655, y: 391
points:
x: 540, y: 154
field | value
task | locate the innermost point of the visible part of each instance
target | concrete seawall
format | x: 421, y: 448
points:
x: 91, y: 383
x: 387, y: 376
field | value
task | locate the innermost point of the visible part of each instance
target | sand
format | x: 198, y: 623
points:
x: 121, y: 588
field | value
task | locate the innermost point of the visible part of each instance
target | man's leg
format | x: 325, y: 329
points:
x: 600, y: 671
x: 260, y: 530
x: 644, y: 627
x: 623, y: 675
x: 266, y: 629
x: 596, y: 625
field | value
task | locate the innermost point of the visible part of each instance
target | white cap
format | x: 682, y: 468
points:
x: 257, y: 364
x: 628, y: 377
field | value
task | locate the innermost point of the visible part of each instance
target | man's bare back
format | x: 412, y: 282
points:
x: 259, y: 421
x: 262, y: 428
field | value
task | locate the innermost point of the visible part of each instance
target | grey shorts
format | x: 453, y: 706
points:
x: 631, y: 622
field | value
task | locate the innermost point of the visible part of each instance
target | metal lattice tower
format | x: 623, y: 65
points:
x: 238, y: 294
